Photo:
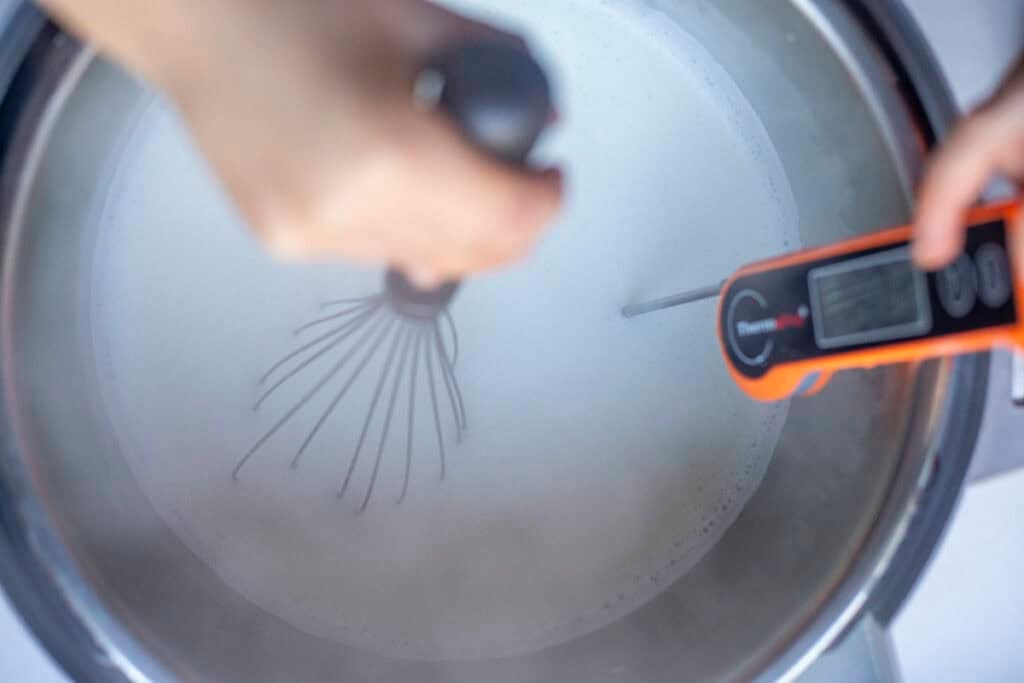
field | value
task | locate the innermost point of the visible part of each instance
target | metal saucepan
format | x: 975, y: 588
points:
x: 615, y: 510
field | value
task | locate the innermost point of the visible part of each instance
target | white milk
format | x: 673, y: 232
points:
x: 604, y: 457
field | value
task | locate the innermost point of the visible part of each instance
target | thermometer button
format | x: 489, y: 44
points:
x: 958, y: 287
x: 994, y: 284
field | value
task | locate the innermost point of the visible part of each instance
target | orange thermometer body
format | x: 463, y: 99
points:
x: 787, y: 325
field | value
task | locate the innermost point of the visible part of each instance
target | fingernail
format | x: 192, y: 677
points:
x: 925, y: 248
x: 1018, y: 250
x: 919, y: 251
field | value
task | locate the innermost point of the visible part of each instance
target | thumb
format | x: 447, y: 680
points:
x: 1017, y: 247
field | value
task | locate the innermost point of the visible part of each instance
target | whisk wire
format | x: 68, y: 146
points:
x: 417, y: 341
x: 371, y: 352
x: 302, y: 403
x: 385, y: 430
x: 345, y: 302
x: 451, y: 385
x: 408, y: 323
x: 454, y: 359
x: 342, y: 329
x: 369, y: 415
x: 433, y: 405
x: 336, y: 316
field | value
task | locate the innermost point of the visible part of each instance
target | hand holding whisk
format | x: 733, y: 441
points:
x: 500, y: 99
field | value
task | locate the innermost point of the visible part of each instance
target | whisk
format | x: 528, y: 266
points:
x: 500, y: 98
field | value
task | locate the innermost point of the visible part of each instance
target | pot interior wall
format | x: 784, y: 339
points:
x: 829, y: 478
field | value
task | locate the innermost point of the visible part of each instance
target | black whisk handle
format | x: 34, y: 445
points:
x: 497, y: 93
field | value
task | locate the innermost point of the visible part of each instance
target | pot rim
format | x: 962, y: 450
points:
x: 67, y: 616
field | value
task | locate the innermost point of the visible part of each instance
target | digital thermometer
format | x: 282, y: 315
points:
x: 787, y: 325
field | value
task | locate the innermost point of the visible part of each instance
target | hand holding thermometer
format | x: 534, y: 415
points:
x: 787, y: 325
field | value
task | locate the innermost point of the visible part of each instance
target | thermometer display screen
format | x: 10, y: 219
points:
x: 873, y: 299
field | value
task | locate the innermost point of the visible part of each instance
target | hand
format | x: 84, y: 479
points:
x: 989, y: 142
x: 306, y: 112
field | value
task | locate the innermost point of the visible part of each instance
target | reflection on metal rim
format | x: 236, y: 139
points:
x: 41, y: 579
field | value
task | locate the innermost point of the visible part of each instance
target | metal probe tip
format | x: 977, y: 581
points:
x: 693, y: 296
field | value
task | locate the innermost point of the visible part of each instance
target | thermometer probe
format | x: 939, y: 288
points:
x: 787, y: 325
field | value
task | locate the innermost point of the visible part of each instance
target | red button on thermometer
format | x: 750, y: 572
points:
x: 787, y: 325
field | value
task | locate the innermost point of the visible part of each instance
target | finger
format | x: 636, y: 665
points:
x: 506, y: 229
x: 1012, y: 82
x: 1017, y: 248
x: 954, y: 181
x: 430, y: 265
x: 474, y: 187
x: 423, y: 277
x: 457, y: 256
x: 487, y: 258
x: 458, y: 25
x: 438, y: 27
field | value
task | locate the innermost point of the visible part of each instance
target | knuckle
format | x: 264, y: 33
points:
x: 285, y: 242
x: 525, y: 210
x: 511, y: 250
x: 540, y: 203
x: 276, y: 227
x: 967, y: 136
x: 518, y: 254
x: 981, y: 114
x: 376, y: 168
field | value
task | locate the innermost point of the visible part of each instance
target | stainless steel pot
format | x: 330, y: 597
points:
x: 859, y: 487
